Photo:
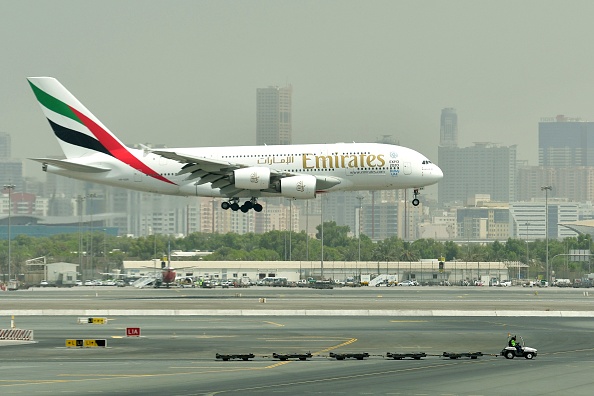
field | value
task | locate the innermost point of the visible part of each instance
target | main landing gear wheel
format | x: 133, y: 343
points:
x: 245, y: 207
x: 231, y: 204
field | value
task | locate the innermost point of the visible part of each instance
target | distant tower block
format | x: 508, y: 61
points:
x: 274, y: 120
x: 448, y: 131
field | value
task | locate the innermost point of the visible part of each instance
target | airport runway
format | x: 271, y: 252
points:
x: 203, y: 301
x: 175, y: 354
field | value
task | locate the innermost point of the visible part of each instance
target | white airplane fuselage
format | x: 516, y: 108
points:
x: 359, y: 166
x: 93, y: 153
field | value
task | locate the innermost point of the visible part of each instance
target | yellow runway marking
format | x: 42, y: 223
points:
x: 352, y: 340
x: 275, y: 324
x: 408, y: 321
x: 277, y: 364
x: 76, y: 378
x: 299, y: 339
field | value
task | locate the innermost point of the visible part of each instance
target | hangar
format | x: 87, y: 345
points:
x: 424, y: 272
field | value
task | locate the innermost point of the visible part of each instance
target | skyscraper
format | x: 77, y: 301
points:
x: 273, y: 115
x: 11, y: 169
x: 564, y: 141
x: 485, y: 168
x: 448, y: 131
x: 4, y: 145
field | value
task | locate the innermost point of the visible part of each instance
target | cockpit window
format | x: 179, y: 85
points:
x: 426, y: 162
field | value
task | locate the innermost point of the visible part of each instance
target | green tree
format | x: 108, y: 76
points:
x: 334, y: 235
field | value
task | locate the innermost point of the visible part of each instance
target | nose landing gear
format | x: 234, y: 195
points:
x: 416, y: 193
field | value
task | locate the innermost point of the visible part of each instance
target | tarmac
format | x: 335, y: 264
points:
x: 182, y: 331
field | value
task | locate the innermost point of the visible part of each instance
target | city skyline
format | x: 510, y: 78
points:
x: 186, y: 73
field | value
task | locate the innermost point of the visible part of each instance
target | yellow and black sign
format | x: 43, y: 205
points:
x: 97, y: 320
x: 74, y: 343
x: 95, y: 343
x: 86, y: 343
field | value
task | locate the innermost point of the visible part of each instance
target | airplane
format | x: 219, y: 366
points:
x: 93, y: 153
x: 168, y: 276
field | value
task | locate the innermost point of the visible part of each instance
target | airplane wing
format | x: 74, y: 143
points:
x: 213, y: 171
x: 71, y: 166
x: 219, y: 172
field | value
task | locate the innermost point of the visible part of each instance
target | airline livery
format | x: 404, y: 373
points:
x: 95, y: 154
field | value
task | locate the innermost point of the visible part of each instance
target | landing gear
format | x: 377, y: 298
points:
x: 416, y: 201
x: 233, y: 204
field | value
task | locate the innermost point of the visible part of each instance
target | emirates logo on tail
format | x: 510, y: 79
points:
x: 300, y: 186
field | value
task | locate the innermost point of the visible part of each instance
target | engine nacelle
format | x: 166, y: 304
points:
x: 299, y: 187
x: 254, y: 178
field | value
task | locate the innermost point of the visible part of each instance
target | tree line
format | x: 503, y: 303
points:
x: 108, y: 252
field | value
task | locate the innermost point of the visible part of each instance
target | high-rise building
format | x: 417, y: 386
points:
x: 564, y: 141
x: 448, y: 130
x: 529, y: 219
x: 273, y: 115
x: 5, y: 145
x: 575, y: 183
x: 492, y: 223
x: 11, y: 169
x: 566, y: 161
x: 485, y: 168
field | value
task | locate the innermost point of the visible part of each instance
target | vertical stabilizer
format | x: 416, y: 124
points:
x: 78, y: 131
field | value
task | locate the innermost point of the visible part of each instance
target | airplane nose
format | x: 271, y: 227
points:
x: 437, y: 173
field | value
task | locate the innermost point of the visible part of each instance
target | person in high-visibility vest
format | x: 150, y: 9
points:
x: 515, y: 344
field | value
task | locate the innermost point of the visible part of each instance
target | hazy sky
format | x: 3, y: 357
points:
x: 185, y: 73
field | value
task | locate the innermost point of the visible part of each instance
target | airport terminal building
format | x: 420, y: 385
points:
x: 424, y: 272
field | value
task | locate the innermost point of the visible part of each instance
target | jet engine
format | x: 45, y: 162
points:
x: 299, y: 187
x: 254, y: 178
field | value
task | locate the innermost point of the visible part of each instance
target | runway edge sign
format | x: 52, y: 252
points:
x: 132, y: 331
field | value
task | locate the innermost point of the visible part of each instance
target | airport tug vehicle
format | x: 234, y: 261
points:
x: 517, y: 348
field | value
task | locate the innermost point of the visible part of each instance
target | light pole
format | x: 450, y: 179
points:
x: 105, y: 250
x: 546, y: 189
x: 9, y: 187
x: 306, y: 232
x: 527, y: 252
x: 91, y: 196
x: 360, y: 198
x: 322, y: 235
x: 290, y: 226
x: 79, y: 200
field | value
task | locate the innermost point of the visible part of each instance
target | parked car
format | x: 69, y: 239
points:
x: 43, y: 283
x: 505, y: 283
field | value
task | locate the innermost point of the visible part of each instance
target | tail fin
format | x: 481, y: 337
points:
x: 78, y: 131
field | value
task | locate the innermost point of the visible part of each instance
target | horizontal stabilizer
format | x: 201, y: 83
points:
x: 71, y: 166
